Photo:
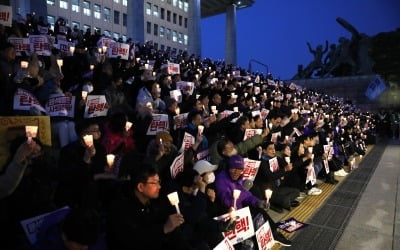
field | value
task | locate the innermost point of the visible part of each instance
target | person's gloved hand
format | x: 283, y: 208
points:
x: 225, y: 226
x: 263, y: 204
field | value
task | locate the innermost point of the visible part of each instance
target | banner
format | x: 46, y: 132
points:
x: 174, y: 69
x: 187, y: 142
x: 20, y: 44
x: 265, y: 239
x: 118, y: 50
x: 14, y: 126
x: 375, y: 88
x: 158, y: 123
x: 185, y: 87
x: 225, y: 244
x: 40, y: 44
x: 248, y: 133
x: 177, y: 165
x: 61, y: 105
x: 244, y: 228
x: 273, y: 164
x: 24, y: 100
x: 180, y: 121
x: 5, y: 15
x: 291, y: 225
x: 32, y: 225
x: 96, y: 105
x: 250, y: 169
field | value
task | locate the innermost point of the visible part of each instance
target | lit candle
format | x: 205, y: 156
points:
x: 236, y: 194
x: 146, y: 65
x: 177, y: 111
x: 110, y: 160
x: 88, y: 139
x: 200, y: 129
x: 270, y: 126
x: 84, y: 94
x: 31, y: 132
x: 91, y: 67
x: 174, y: 200
x: 287, y: 159
x: 104, y: 49
x: 268, y: 194
x: 154, y: 73
x: 60, y: 62
x: 72, y: 49
x: 128, y: 125
x: 100, y: 50
x: 24, y: 64
x: 235, y: 109
x: 310, y: 149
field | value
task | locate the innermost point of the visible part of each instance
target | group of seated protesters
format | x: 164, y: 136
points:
x: 124, y: 205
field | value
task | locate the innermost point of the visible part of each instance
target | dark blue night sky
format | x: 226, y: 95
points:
x: 275, y: 32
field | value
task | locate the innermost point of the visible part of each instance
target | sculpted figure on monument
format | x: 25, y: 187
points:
x: 316, y: 64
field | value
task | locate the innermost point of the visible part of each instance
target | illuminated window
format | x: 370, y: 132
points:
x: 107, y: 33
x: 168, y: 31
x: 174, y: 2
x: 125, y: 2
x: 63, y: 4
x: 86, y: 27
x: 162, y: 31
x: 116, y: 1
x: 116, y: 35
x: 107, y: 15
x: 97, y: 11
x: 174, y: 36
x: 180, y: 37
x: 51, y: 20
x: 180, y: 4
x: 186, y: 6
x: 51, y: 2
x: 148, y: 8
x: 155, y: 10
x: 75, y: 6
x: 86, y: 8
x: 185, y: 39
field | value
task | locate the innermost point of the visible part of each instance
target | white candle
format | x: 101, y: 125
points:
x: 60, y: 62
x: 200, y: 129
x: 88, y: 139
x: 104, y: 49
x: 328, y: 139
x: 84, y: 94
x: 235, y: 109
x: 24, y: 64
x: 72, y: 49
x: 270, y: 125
x: 286, y: 137
x: 146, y: 65
x: 177, y: 110
x: 287, y: 159
x: 236, y: 194
x: 110, y: 160
x: 174, y: 200
x: 268, y: 194
x: 128, y: 125
x: 310, y: 149
x: 31, y: 132
x: 100, y: 50
x: 91, y: 67
x: 213, y: 108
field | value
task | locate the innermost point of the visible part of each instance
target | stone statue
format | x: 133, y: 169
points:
x: 317, y: 62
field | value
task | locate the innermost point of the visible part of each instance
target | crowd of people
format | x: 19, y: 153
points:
x: 301, y: 135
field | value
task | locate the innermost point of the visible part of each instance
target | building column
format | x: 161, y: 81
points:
x: 194, y: 27
x: 230, y: 31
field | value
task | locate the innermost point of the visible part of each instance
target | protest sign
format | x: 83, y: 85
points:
x: 25, y: 100
x: 187, y: 142
x: 180, y: 121
x: 291, y: 225
x: 185, y: 87
x: 250, y: 169
x: 96, y: 105
x: 40, y: 44
x: 273, y: 164
x: 5, y: 15
x: 61, y: 105
x: 118, y: 50
x: 177, y: 165
x: 248, y: 133
x: 244, y: 228
x: 158, y: 123
x: 265, y: 239
x: 225, y: 244
x: 173, y: 68
x: 20, y: 44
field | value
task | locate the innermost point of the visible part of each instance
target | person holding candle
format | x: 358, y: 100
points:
x: 282, y: 196
x: 138, y: 221
x: 231, y: 179
x: 115, y: 96
x: 80, y: 163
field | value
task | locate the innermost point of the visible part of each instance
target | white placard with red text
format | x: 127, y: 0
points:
x: 40, y: 44
x: 248, y: 133
x: 185, y: 87
x: 264, y: 113
x: 96, y: 105
x: 61, y: 105
x: 177, y: 165
x: 244, y: 228
x: 118, y: 50
x: 187, y: 142
x: 274, y: 137
x: 265, y: 239
x: 250, y: 169
x: 311, y: 177
x: 158, y: 123
x: 180, y: 121
x: 24, y: 100
x: 273, y: 164
x: 176, y: 94
x: 20, y: 44
x: 5, y: 15
x: 64, y: 47
x: 174, y: 68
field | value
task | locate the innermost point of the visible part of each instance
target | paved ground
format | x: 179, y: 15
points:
x: 364, y: 211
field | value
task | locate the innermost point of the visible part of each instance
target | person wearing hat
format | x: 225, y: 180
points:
x: 232, y: 178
